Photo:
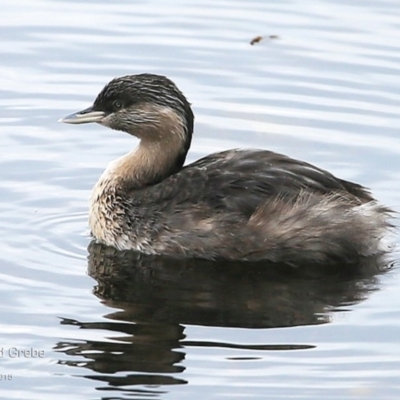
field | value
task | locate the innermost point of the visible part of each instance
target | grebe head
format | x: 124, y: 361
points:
x: 147, y: 106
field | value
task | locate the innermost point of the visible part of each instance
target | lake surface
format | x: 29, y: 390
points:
x: 84, y: 322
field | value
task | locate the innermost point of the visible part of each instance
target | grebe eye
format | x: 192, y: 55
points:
x: 117, y: 104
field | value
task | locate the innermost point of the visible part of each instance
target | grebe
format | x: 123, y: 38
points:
x: 237, y: 205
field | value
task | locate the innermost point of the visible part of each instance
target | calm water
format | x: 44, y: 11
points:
x: 104, y: 325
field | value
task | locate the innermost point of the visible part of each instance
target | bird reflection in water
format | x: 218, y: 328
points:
x: 154, y: 297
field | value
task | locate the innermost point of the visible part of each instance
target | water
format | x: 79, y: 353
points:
x: 100, y: 325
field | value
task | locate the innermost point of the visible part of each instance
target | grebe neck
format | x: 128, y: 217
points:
x: 143, y: 166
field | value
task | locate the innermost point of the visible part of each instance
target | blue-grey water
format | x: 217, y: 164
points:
x: 322, y: 85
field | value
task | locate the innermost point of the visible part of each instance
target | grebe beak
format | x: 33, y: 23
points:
x: 83, y: 117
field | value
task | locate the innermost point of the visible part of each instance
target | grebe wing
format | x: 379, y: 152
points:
x: 242, y: 180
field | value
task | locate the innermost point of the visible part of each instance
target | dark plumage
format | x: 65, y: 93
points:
x: 239, y: 204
